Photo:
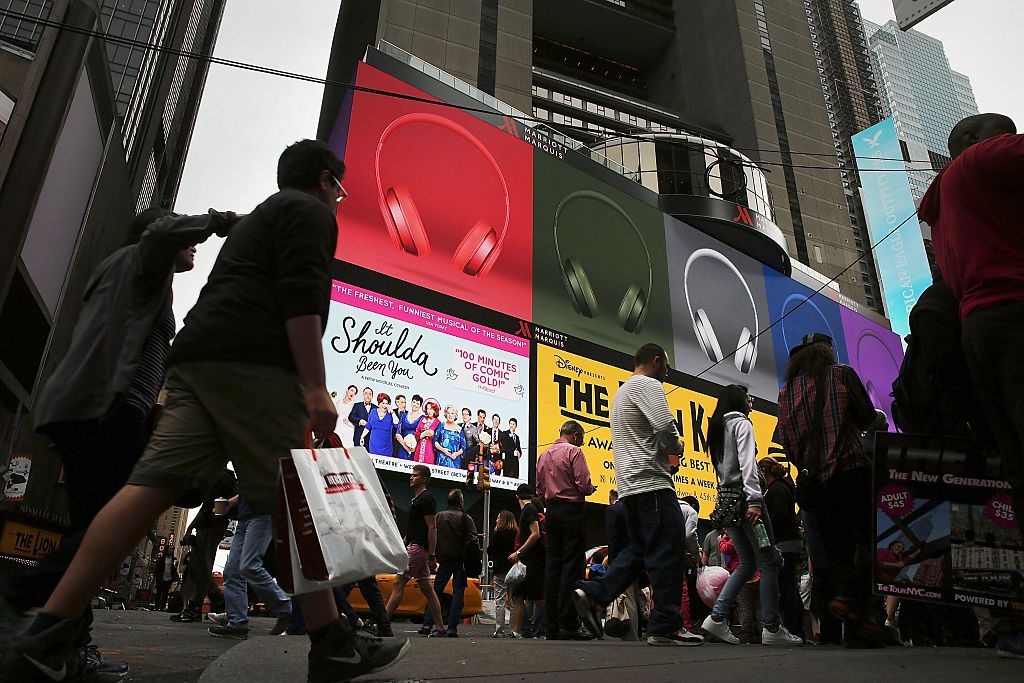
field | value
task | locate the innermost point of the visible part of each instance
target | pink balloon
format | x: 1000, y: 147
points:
x: 710, y: 582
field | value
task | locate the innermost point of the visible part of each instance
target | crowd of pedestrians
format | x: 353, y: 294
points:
x: 245, y: 378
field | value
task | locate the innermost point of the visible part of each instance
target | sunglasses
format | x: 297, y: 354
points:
x: 342, y: 192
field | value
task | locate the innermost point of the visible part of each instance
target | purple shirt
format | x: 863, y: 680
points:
x: 562, y: 473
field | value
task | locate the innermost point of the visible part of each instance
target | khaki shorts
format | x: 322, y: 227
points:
x: 248, y: 414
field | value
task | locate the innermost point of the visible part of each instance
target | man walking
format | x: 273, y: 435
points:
x: 245, y: 381
x: 563, y: 483
x: 420, y: 544
x: 165, y: 574
x: 245, y: 568
x: 973, y: 208
x: 645, y: 436
x: 455, y: 530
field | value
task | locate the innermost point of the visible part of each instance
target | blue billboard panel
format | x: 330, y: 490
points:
x: 885, y: 193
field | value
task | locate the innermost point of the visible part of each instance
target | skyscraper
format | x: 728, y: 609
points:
x: 92, y: 129
x: 851, y: 102
x: 734, y: 73
x: 925, y: 97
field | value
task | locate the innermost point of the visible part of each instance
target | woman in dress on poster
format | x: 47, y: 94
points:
x: 449, y: 441
x: 407, y: 425
x: 425, y: 433
x: 344, y: 405
x: 380, y: 427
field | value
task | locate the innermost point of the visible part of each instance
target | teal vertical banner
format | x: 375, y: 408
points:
x: 885, y: 193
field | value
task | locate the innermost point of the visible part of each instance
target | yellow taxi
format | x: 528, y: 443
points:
x: 413, y: 603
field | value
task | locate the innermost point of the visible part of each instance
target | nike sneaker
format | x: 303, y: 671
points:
x: 343, y: 654
x: 50, y: 655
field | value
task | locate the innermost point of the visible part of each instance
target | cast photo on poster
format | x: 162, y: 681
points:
x: 719, y: 312
x: 876, y: 354
x: 796, y: 311
x: 599, y: 260
x: 419, y: 386
x: 441, y: 199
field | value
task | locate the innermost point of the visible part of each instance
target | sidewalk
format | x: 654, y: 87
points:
x: 476, y: 657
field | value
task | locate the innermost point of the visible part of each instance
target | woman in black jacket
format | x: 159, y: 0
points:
x: 502, y: 545
x: 780, y: 500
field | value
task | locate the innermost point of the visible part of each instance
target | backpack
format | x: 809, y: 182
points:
x: 919, y: 398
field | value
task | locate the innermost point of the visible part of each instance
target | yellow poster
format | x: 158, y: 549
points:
x: 573, y: 387
x: 27, y: 541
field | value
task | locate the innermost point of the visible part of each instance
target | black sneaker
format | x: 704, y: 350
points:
x: 588, y: 610
x: 384, y: 631
x: 187, y: 616
x: 229, y: 632
x: 99, y: 670
x: 50, y: 655
x: 344, y: 654
x: 424, y: 630
x: 680, y: 637
x: 12, y: 623
x: 281, y: 625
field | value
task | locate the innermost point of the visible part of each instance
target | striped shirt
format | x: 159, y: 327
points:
x: 640, y: 414
x: 149, y: 376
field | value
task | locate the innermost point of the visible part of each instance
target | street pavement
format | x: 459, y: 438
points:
x: 160, y: 651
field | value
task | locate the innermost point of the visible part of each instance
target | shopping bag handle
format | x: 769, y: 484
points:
x: 328, y: 442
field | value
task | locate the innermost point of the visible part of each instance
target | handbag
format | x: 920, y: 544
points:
x: 810, y: 489
x: 730, y: 507
x: 332, y: 520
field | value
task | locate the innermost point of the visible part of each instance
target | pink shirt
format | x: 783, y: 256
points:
x: 562, y: 473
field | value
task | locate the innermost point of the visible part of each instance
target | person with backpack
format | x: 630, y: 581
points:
x: 455, y: 530
x: 823, y: 408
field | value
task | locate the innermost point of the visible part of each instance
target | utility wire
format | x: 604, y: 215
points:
x: 526, y: 119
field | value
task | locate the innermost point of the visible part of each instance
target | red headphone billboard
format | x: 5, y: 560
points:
x: 437, y: 198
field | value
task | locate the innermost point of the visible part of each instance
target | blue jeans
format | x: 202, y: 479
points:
x: 768, y: 560
x: 456, y: 571
x: 656, y: 531
x: 245, y: 566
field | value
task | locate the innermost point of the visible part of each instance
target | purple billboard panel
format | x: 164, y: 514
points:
x: 875, y: 353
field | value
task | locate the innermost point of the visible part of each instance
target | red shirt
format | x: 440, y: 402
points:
x: 562, y: 473
x: 975, y: 208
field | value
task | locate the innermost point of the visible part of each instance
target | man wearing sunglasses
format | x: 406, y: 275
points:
x: 245, y: 380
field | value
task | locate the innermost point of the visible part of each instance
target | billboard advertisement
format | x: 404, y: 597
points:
x: 945, y: 525
x: 571, y: 386
x: 719, y: 312
x: 903, y: 269
x: 795, y: 311
x: 875, y: 353
x: 382, y: 348
x: 598, y: 259
x: 438, y: 198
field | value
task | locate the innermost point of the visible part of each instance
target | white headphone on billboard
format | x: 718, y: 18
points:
x: 746, y: 348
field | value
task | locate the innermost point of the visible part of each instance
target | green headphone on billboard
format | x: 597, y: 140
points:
x: 634, y: 305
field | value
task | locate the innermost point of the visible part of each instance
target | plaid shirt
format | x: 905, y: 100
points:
x: 847, y: 411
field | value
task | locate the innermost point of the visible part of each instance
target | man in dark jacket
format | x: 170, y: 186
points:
x: 455, y: 530
x: 97, y: 404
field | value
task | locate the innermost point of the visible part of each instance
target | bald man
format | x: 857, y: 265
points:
x: 974, y: 208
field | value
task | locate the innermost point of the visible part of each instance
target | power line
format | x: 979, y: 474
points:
x: 130, y: 42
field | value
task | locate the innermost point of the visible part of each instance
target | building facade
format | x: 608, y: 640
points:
x: 925, y: 97
x: 739, y: 73
x: 96, y: 126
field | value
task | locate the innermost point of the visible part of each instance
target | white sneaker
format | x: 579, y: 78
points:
x: 219, y: 618
x: 782, y: 637
x: 719, y: 631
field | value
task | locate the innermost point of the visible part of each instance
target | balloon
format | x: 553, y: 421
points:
x: 710, y: 581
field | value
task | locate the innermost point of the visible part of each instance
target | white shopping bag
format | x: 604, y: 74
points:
x: 333, y: 521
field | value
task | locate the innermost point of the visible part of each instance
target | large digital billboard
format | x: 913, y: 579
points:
x: 389, y: 348
x: 437, y: 198
x: 571, y: 386
x: 885, y: 193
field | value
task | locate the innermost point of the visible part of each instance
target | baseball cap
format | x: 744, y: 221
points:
x: 525, y: 491
x: 812, y: 338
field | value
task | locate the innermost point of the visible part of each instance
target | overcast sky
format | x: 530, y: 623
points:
x: 246, y: 119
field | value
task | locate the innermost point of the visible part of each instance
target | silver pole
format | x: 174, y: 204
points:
x: 487, y: 540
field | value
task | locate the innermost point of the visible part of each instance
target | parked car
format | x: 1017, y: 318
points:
x: 413, y: 603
